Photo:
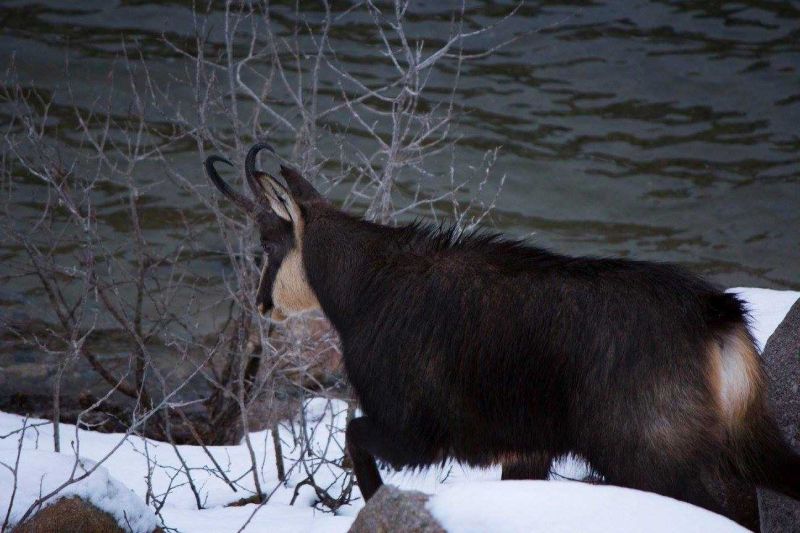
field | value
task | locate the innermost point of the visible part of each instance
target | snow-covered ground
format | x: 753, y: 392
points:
x: 41, y: 472
x: 567, y: 507
x: 465, y: 499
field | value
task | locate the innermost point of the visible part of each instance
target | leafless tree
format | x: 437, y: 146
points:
x: 251, y: 78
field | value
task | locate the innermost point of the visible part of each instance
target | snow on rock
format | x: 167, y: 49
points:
x: 767, y: 309
x: 41, y: 472
x: 392, y: 509
x: 564, y: 506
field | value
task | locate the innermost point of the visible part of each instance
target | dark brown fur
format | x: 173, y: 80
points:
x: 486, y: 350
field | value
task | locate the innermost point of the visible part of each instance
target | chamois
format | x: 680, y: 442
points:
x: 487, y: 350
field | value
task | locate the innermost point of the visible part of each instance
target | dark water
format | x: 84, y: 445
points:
x: 649, y: 129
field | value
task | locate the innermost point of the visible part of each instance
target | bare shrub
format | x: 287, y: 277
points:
x: 200, y: 365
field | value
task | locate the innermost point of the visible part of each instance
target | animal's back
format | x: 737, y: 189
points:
x: 507, y: 339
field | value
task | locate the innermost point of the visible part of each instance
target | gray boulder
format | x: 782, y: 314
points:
x: 395, y: 510
x: 778, y: 513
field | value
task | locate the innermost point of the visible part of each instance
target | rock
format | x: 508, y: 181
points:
x: 70, y: 515
x: 93, y: 502
x: 395, y: 510
x: 307, y: 347
x: 313, y: 344
x: 738, y: 499
x: 779, y: 513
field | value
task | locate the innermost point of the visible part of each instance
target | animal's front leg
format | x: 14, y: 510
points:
x: 364, y: 443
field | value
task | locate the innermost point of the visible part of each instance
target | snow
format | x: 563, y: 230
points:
x: 767, y: 309
x: 563, y: 506
x: 465, y: 499
x: 129, y: 463
x: 41, y: 472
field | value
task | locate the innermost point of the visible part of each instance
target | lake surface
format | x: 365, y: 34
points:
x: 657, y: 130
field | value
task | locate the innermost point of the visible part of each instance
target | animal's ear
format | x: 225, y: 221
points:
x: 280, y: 199
x: 300, y: 187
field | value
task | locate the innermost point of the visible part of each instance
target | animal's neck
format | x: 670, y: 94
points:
x: 339, y: 254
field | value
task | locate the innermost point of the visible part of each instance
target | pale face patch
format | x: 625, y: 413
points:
x: 291, y: 292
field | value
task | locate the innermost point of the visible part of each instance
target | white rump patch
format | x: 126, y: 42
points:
x: 738, y: 377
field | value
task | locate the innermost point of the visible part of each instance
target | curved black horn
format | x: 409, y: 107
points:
x: 242, y: 202
x: 250, y: 167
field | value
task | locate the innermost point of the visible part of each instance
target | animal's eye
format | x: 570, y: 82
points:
x: 269, y: 248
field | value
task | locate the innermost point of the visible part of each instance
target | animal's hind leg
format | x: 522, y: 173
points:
x: 365, y: 442
x: 532, y: 466
x: 694, y: 491
x: 654, y: 472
